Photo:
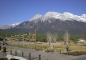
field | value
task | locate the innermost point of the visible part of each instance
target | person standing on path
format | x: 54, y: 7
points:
x: 0, y: 46
x: 67, y: 49
x: 4, y: 49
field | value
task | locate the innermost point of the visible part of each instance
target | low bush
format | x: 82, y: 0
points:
x: 76, y: 53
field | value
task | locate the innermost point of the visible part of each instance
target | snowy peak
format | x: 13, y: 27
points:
x: 4, y: 27
x: 61, y: 16
x: 14, y: 25
x: 52, y: 14
x: 9, y: 26
x: 83, y: 16
x: 36, y: 17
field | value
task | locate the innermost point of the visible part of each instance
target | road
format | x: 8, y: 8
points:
x: 44, y: 55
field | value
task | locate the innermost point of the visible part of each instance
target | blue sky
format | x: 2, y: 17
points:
x: 13, y: 11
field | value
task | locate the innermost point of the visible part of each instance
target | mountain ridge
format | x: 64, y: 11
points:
x: 9, y: 26
x: 62, y: 16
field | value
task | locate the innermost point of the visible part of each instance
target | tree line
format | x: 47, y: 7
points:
x: 47, y: 36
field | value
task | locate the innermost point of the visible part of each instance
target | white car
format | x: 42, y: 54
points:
x: 81, y: 41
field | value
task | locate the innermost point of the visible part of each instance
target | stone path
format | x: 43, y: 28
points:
x: 1, y: 54
x: 44, y: 55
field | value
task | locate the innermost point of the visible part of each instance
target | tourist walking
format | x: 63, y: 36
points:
x: 67, y: 49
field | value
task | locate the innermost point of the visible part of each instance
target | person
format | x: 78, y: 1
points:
x: 67, y: 49
x: 0, y: 46
x: 4, y: 49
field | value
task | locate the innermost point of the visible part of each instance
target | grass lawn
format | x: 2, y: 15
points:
x: 57, y: 47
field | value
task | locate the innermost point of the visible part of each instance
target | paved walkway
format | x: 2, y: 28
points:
x: 1, y: 54
x: 44, y: 55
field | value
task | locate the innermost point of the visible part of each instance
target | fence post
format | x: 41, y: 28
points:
x: 76, y: 52
x: 11, y: 52
x: 35, y: 47
x: 39, y: 57
x: 22, y: 54
x: 16, y: 53
x: 60, y: 50
x: 29, y: 56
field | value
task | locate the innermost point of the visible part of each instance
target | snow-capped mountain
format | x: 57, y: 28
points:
x: 53, y: 22
x: 62, y: 16
x: 9, y: 26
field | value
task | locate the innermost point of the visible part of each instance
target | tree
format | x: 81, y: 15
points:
x: 66, y: 38
x: 54, y: 38
x: 49, y: 37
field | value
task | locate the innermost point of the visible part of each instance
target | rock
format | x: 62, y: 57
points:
x: 11, y: 57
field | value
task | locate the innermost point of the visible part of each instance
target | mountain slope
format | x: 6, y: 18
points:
x: 56, y: 26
